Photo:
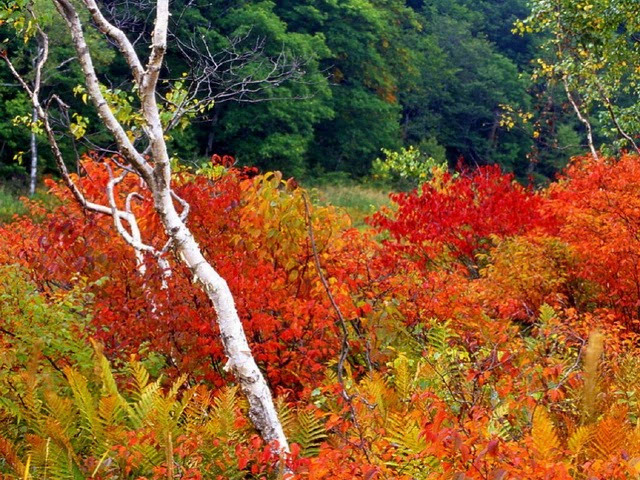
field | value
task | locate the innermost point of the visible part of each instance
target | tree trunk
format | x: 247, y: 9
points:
x: 33, y: 174
x: 240, y: 360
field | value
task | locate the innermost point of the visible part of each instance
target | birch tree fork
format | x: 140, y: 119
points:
x: 153, y: 166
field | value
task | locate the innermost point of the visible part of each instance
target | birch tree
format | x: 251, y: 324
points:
x: 591, y: 49
x: 147, y: 157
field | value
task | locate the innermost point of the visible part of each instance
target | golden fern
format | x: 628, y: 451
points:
x: 110, y: 411
x: 627, y: 374
x: 9, y: 455
x: 198, y: 402
x: 633, y: 441
x: 579, y: 439
x: 593, y: 354
x: 63, y: 410
x: 402, y: 377
x: 543, y: 434
x: 405, y: 434
x: 72, y: 436
x: 610, y: 434
x: 223, y: 412
x: 375, y: 388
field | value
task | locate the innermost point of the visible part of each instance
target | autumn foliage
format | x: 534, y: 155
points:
x: 491, y: 328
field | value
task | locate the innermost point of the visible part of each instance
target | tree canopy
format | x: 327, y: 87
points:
x: 373, y: 74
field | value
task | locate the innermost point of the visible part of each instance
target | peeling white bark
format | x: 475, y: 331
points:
x: 239, y: 358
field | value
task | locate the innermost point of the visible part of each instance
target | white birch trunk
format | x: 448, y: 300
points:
x: 157, y: 177
x: 582, y: 118
x: 33, y: 172
x: 240, y: 361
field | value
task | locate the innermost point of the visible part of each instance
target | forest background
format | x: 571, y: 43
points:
x: 450, y: 78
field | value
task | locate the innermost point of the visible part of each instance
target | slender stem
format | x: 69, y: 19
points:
x: 582, y: 118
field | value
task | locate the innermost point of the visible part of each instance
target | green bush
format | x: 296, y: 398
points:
x: 405, y: 169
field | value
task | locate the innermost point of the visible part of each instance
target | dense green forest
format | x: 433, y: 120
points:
x: 357, y: 76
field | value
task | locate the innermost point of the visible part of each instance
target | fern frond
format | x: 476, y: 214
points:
x: 543, y: 434
x: 176, y: 385
x: 579, y: 439
x: 224, y: 410
x: 8, y: 453
x: 140, y: 411
x: 633, y: 441
x: 11, y: 408
x: 405, y: 434
x: 198, y: 402
x: 439, y: 336
x: 150, y: 455
x: 286, y: 415
x: 592, y: 356
x: 402, y: 378
x: 110, y: 410
x: 309, y: 432
x: 610, y: 435
x: 140, y: 378
x: 61, y: 409
x: 61, y: 457
x: 32, y: 411
x: 109, y: 385
x: 628, y: 373
x: 499, y: 424
x: 547, y: 313
x: 84, y: 402
x: 376, y: 389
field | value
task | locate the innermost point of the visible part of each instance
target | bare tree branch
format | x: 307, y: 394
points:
x: 118, y: 37
x: 69, y: 14
x: 240, y: 71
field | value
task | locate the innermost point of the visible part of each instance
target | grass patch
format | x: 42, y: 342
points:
x: 358, y: 200
x: 12, y: 205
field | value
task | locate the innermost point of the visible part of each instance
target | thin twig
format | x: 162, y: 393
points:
x: 344, y: 349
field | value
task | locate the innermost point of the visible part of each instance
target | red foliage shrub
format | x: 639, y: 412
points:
x: 599, y: 207
x: 455, y: 216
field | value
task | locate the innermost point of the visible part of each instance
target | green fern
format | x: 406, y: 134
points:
x: 309, y: 432
x: 85, y: 403
x: 72, y: 434
x: 286, y: 414
x: 405, y: 434
x: 547, y: 314
x: 439, y: 336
